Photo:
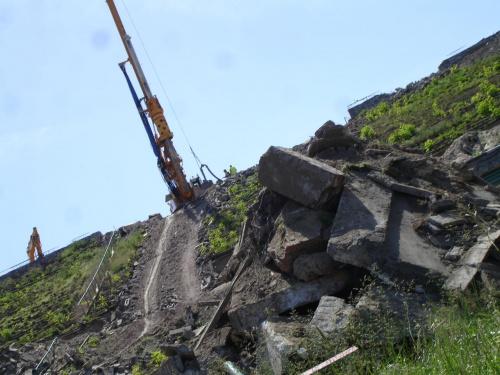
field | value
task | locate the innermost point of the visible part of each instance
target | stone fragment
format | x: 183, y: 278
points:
x: 281, y: 338
x: 473, y: 200
x: 446, y: 220
x: 492, y: 210
x: 299, y: 230
x: 300, y: 178
x: 308, y: 267
x: 172, y: 366
x: 455, y: 254
x: 394, y: 309
x: 185, y: 332
x: 461, y: 277
x: 222, y: 337
x: 437, y: 206
x: 435, y: 229
x: 408, y: 167
x: 331, y: 315
x: 331, y: 135
x: 68, y: 359
x: 389, y: 182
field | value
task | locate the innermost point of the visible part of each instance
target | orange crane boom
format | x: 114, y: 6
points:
x: 34, y: 244
x: 169, y: 162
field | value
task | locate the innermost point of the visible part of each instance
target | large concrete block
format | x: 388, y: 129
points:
x: 299, y: 230
x: 359, y: 229
x: 300, y: 178
x: 281, y: 340
x: 254, y: 300
x: 373, y: 229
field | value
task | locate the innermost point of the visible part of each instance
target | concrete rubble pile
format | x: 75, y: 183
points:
x: 400, y: 217
x: 348, y: 234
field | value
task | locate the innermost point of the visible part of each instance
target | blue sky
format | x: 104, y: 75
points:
x: 240, y: 75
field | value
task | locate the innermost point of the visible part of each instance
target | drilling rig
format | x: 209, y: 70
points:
x: 168, y: 161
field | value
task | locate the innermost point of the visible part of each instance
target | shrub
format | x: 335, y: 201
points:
x: 6, y: 334
x: 367, y: 132
x: 157, y: 358
x: 486, y: 106
x: 429, y: 145
x: 405, y: 132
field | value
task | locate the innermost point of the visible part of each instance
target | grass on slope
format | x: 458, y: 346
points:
x: 449, y: 106
x: 41, y: 303
x: 463, y: 338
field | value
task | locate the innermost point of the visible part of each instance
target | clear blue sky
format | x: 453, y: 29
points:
x: 241, y: 76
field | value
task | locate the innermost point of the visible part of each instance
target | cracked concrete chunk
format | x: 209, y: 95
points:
x: 373, y: 229
x: 299, y: 230
x: 332, y: 315
x: 282, y: 338
x: 408, y: 254
x: 248, y: 310
x: 446, y: 220
x: 358, y: 232
x: 300, y: 178
x: 308, y: 267
x: 454, y: 254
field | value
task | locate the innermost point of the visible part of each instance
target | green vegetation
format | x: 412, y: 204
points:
x: 41, y: 303
x: 367, y: 132
x: 223, y: 227
x: 93, y: 342
x: 447, y: 107
x: 157, y: 359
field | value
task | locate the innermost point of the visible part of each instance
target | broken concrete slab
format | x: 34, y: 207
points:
x: 409, y: 255
x: 373, y: 229
x: 299, y: 230
x: 282, y: 338
x: 332, y: 315
x: 358, y: 232
x: 391, y: 183
x: 273, y: 294
x: 308, y: 267
x: 446, y: 220
x: 300, y: 178
x: 461, y: 278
